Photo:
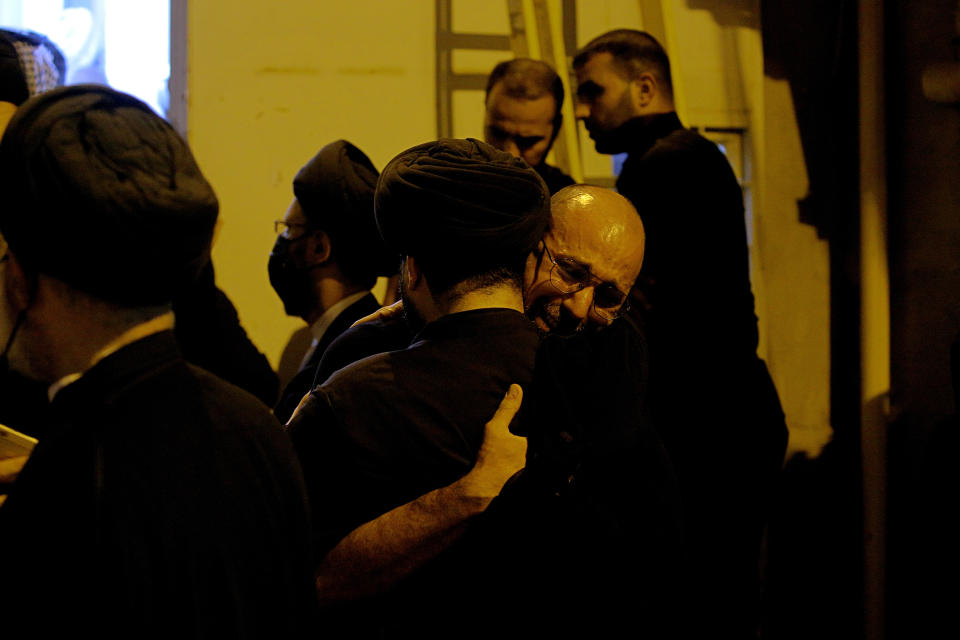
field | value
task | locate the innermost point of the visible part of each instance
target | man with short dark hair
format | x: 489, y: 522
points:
x: 397, y: 425
x: 523, y: 115
x: 160, y: 501
x: 697, y: 306
x: 327, y: 255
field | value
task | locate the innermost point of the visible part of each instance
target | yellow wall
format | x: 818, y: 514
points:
x: 269, y: 83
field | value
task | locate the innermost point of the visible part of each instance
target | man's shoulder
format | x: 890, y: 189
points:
x: 362, y: 341
x: 681, y: 157
x: 227, y: 399
x: 682, y: 144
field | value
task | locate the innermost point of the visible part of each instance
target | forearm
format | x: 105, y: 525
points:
x: 380, y: 553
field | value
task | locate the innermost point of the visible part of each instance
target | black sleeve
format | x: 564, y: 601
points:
x: 210, y: 336
x: 328, y: 459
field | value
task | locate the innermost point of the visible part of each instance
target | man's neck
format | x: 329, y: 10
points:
x: 330, y: 291
x: 80, y: 355
x: 497, y: 297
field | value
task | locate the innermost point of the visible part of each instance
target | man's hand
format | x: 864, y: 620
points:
x: 502, y: 454
x: 9, y: 470
x: 388, y: 313
x: 376, y: 555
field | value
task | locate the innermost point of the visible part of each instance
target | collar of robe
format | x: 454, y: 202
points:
x: 642, y: 132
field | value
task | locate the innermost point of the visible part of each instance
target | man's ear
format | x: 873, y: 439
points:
x: 412, y: 275
x: 644, y: 90
x: 319, y: 248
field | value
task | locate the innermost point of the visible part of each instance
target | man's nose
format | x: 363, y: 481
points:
x: 579, y: 303
x: 581, y: 111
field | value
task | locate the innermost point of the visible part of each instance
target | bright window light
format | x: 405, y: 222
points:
x: 120, y: 43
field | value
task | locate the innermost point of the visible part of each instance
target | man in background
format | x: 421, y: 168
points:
x: 327, y: 255
x: 710, y: 396
x: 523, y: 115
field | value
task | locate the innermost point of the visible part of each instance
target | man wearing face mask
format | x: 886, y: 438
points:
x: 162, y: 500
x: 327, y: 255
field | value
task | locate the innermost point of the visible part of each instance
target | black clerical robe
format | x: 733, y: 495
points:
x: 553, y: 177
x: 364, y: 340
x: 305, y: 379
x: 396, y: 425
x: 711, y: 397
x: 210, y: 336
x: 161, y: 502
x: 585, y: 541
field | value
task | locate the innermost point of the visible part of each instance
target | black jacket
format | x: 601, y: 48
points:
x: 162, y: 502
x: 396, y: 425
x: 305, y: 379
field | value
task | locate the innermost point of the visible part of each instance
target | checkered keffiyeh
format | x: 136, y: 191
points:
x: 44, y: 66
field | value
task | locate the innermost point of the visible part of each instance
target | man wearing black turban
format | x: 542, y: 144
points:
x: 161, y: 501
x: 328, y: 254
x: 394, y: 426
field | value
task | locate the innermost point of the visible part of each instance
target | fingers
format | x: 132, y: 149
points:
x: 390, y: 312
x: 508, y: 408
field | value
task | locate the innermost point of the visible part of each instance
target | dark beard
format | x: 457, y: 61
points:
x: 609, y: 142
x: 559, y: 320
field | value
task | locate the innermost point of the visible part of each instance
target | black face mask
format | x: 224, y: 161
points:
x: 290, y: 280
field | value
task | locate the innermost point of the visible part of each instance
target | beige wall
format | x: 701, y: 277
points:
x: 269, y: 83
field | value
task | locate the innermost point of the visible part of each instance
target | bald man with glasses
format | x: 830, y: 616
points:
x: 587, y: 260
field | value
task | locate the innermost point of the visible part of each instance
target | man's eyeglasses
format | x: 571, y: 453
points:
x: 609, y: 302
x: 281, y: 227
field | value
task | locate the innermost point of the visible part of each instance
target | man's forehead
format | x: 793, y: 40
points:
x: 501, y: 107
x: 608, y: 246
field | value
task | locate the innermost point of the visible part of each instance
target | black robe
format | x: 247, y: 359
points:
x: 162, y: 502
x: 585, y: 541
x: 362, y: 341
x: 305, y: 379
x: 210, y: 336
x: 710, y: 396
x: 554, y: 177
x: 394, y: 426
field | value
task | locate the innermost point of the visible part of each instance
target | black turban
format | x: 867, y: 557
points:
x: 335, y: 190
x: 101, y: 193
x: 13, y: 82
x: 461, y: 206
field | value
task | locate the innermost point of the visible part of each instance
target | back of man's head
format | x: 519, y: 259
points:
x: 468, y: 213
x: 634, y: 52
x: 335, y: 191
x: 101, y: 194
x: 528, y: 79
